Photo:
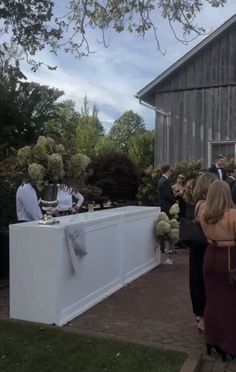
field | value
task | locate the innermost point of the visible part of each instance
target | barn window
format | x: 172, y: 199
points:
x: 227, y: 149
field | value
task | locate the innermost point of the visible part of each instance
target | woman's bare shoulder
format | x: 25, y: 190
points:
x: 232, y: 212
x: 200, y: 205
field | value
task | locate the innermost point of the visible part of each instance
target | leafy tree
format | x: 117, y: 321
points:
x: 64, y: 127
x: 89, y: 130
x: 124, y: 128
x: 24, y: 107
x: 36, y: 24
x: 105, y: 146
x: 141, y: 148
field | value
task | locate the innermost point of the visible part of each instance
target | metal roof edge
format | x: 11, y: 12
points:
x: 187, y: 56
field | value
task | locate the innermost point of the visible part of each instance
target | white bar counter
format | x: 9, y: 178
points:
x: 44, y: 288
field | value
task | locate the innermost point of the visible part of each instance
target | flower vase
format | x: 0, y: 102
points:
x: 169, y: 250
x: 48, y: 203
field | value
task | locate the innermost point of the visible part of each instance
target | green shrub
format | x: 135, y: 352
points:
x: 10, y: 179
x: 189, y: 168
x: 147, y: 192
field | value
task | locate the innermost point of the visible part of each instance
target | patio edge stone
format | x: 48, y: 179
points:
x: 192, y: 363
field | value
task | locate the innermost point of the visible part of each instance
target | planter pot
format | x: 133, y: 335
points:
x: 48, y: 204
x: 4, y: 254
x: 49, y: 193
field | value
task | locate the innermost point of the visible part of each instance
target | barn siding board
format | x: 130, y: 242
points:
x: 156, y: 140
x: 200, y: 121
x: 233, y: 115
x: 179, y: 131
x: 232, y: 56
x: 216, y: 114
x: 185, y: 128
x: 224, y: 120
x: 159, y: 138
x: 172, y: 126
x: 208, y: 65
x: 190, y: 149
x: 225, y: 59
x: 207, y: 123
x: 215, y: 63
x: 188, y: 119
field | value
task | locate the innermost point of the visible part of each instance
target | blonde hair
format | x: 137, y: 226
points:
x: 218, y: 201
x: 202, y: 186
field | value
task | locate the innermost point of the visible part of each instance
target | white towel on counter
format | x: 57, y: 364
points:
x: 75, y: 241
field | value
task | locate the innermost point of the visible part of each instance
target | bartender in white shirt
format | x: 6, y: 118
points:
x: 27, y: 204
x: 65, y: 199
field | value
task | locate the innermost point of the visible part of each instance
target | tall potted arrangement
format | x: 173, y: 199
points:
x: 167, y: 230
x: 47, y: 163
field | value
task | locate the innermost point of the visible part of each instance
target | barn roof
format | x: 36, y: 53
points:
x: 147, y: 94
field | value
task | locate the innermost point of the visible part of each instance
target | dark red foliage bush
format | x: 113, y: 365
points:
x: 117, y: 175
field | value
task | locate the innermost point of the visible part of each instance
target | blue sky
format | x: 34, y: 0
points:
x: 112, y: 76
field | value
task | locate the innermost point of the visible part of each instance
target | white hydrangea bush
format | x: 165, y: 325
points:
x: 168, y: 228
x: 47, y: 162
x: 174, y: 210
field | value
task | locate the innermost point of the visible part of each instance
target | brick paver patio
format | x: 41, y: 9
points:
x: 155, y: 309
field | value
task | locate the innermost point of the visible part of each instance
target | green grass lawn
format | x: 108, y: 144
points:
x: 30, y: 348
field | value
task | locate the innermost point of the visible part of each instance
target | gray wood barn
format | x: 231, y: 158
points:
x: 195, y: 101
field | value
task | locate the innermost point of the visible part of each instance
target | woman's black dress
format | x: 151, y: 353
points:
x: 196, y: 281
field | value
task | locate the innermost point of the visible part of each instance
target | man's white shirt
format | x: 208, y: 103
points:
x: 64, y: 198
x: 220, y: 173
x: 27, y: 204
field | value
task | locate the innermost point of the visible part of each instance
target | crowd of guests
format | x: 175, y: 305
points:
x: 209, y: 201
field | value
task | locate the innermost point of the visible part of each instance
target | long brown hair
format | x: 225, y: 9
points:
x: 202, y: 186
x: 188, y: 194
x: 218, y: 201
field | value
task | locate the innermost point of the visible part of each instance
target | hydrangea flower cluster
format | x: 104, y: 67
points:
x: 168, y: 228
x: 48, y: 163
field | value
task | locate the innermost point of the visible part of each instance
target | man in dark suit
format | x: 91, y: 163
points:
x: 218, y: 168
x: 165, y: 198
x: 231, y: 179
x: 165, y: 193
x: 233, y: 193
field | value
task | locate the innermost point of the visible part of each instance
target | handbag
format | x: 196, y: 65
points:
x: 191, y: 234
x: 231, y: 271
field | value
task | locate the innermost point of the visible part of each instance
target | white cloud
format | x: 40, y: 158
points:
x: 111, y: 77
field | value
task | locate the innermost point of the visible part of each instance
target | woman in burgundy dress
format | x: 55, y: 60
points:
x: 218, y: 221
